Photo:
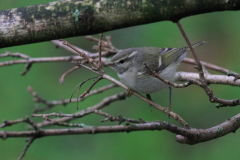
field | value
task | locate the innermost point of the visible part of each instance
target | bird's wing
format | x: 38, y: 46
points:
x: 168, y: 56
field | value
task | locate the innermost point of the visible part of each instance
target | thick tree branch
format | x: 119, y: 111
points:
x: 70, y: 18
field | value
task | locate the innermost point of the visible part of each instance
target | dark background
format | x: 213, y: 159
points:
x: 219, y: 29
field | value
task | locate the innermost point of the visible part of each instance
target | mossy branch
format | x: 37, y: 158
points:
x: 69, y: 18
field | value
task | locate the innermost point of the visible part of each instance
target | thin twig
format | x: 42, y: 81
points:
x: 61, y: 80
x: 27, y: 68
x: 30, y: 141
x: 110, y: 45
x: 119, y: 118
x: 82, y: 54
x: 90, y: 38
x: 89, y: 89
x: 59, y: 44
x: 79, y: 64
x: 199, y: 65
x: 99, y: 45
x: 114, y: 51
x: 44, y: 59
x: 80, y: 85
x: 167, y: 81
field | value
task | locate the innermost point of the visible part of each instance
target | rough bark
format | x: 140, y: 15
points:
x: 69, y: 18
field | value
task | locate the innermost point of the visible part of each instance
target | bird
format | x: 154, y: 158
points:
x: 130, y: 68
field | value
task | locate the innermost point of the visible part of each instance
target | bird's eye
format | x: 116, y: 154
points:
x: 121, y: 61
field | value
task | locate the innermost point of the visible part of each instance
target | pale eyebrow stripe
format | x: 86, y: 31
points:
x: 132, y: 54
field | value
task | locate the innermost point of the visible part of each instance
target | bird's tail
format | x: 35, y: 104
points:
x: 198, y: 44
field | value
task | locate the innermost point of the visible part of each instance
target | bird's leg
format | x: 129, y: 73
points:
x: 149, y: 97
x: 129, y: 92
x: 168, y: 109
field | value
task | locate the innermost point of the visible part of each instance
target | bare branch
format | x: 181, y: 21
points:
x: 25, y: 120
x: 14, y: 55
x: 186, y: 136
x: 65, y: 124
x: 9, y: 123
x: 51, y: 104
x: 119, y: 118
x: 43, y: 59
x: 103, y: 103
x: 211, y: 79
x: 89, y: 110
x: 213, y: 67
x: 44, y: 116
x: 58, y: 43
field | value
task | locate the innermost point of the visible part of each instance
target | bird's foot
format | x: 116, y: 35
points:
x: 150, y: 98
x: 129, y: 92
x: 168, y: 110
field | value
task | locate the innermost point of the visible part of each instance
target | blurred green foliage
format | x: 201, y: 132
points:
x: 220, y: 30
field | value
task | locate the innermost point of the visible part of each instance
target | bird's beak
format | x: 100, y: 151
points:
x: 109, y: 64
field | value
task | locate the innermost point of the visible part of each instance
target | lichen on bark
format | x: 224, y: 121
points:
x: 70, y: 18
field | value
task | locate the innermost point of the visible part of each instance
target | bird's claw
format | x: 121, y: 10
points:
x: 167, y: 111
x: 129, y: 92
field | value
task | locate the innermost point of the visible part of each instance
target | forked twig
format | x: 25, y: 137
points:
x: 89, y: 89
x: 80, y: 85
